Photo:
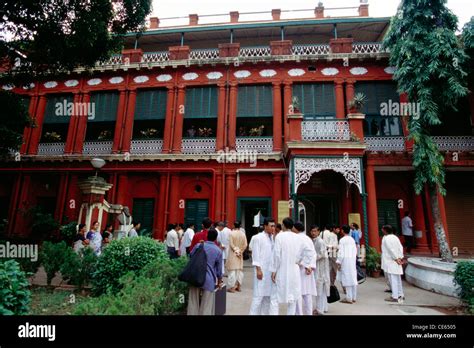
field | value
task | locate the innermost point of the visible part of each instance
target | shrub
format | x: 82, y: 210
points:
x: 122, y: 256
x: 15, y: 296
x: 77, y: 268
x: 43, y: 225
x: 52, y: 257
x: 27, y: 265
x: 155, y: 290
x: 464, y: 279
x: 372, y: 260
x: 68, y: 231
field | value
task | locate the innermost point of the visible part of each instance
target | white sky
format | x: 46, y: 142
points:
x: 464, y: 9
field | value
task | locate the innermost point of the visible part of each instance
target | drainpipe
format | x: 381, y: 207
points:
x: 282, y: 33
x: 182, y: 39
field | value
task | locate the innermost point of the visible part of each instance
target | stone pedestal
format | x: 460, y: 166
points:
x: 294, y: 126
x: 132, y: 56
x: 343, y: 45
x: 179, y: 52
x: 93, y: 204
x: 281, y: 48
x: 229, y: 50
x: 356, y: 125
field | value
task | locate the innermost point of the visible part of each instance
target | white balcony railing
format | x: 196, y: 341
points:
x: 146, y: 146
x: 368, y: 47
x: 50, y: 149
x: 310, y: 50
x: 258, y: 144
x: 455, y: 143
x: 198, y: 145
x: 155, y: 57
x: 212, y: 53
x: 115, y: 59
x: 385, y: 144
x: 97, y: 147
x: 258, y: 51
x: 325, y: 130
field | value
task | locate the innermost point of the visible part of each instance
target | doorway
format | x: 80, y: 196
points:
x: 247, y: 209
x: 321, y: 210
x: 195, y: 211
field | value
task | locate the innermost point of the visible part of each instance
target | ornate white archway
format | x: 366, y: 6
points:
x: 304, y: 168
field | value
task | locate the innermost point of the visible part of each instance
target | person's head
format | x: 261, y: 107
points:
x: 277, y: 228
x: 327, y: 227
x: 95, y: 225
x: 269, y: 225
x: 407, y: 213
x: 287, y: 223
x: 345, y: 229
x: 212, y: 234
x: 108, y: 228
x: 137, y: 225
x: 314, y: 231
x: 206, y: 223
x: 191, y: 226
x: 171, y: 227
x: 81, y: 228
x: 337, y: 229
x: 298, y: 227
x: 180, y: 226
x: 237, y: 224
x: 355, y: 226
x: 387, y: 229
x: 332, y: 227
x: 220, y: 225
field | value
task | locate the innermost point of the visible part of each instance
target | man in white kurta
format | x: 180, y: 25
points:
x: 287, y: 255
x: 223, y: 240
x: 307, y: 267
x: 186, y: 240
x: 261, y: 246
x: 330, y: 239
x: 392, y: 257
x: 322, y: 271
x: 346, y: 261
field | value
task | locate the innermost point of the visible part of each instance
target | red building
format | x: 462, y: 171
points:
x: 199, y: 119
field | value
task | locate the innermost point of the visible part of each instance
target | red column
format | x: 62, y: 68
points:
x: 419, y: 223
x: 287, y: 96
x: 220, y: 133
x: 349, y: 92
x: 36, y: 132
x: 27, y: 131
x: 174, y: 205
x: 71, y: 132
x: 18, y: 225
x: 374, y: 238
x: 122, y: 190
x: 277, y: 193
x: 218, y: 198
x: 119, y: 121
x: 167, y: 134
x: 339, y: 92
x: 81, y: 128
x: 128, y: 125
x: 179, y: 119
x: 277, y: 136
x: 232, y: 122
x: 161, y: 208
x: 230, y: 197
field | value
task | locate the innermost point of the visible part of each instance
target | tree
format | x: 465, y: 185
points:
x: 429, y: 61
x: 41, y: 38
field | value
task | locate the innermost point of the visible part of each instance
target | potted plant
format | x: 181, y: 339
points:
x: 357, y: 103
x: 52, y: 137
x: 373, y: 262
x: 295, y: 105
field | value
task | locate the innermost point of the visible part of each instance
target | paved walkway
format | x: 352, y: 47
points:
x: 370, y: 300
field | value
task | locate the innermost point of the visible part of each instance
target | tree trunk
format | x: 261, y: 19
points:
x: 444, y: 249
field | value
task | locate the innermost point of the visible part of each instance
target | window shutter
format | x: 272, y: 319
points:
x: 50, y: 116
x: 150, y: 105
x: 317, y: 100
x: 105, y: 106
x: 196, y: 210
x: 201, y: 102
x: 377, y: 93
x: 389, y: 214
x: 255, y: 101
x: 143, y: 209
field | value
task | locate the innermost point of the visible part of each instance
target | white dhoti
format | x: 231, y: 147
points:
x: 235, y: 276
x: 351, y: 293
x: 321, y: 302
x: 306, y: 307
x: 396, y: 285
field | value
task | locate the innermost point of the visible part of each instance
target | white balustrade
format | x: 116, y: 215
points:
x: 50, y: 149
x: 368, y: 47
x: 198, y: 145
x: 455, y: 143
x: 146, y: 146
x: 204, y: 54
x: 113, y: 60
x: 385, y: 144
x: 258, y: 144
x: 252, y: 52
x: 97, y: 147
x: 155, y: 57
x: 310, y: 50
x: 324, y: 130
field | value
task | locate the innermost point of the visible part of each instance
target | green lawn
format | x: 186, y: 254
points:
x: 50, y: 302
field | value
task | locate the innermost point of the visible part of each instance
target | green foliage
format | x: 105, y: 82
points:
x: 69, y: 231
x: 464, y: 279
x: 51, y: 302
x: 358, y: 101
x: 43, y: 225
x: 468, y: 43
x: 27, y: 265
x: 155, y: 290
x: 122, y: 256
x: 52, y: 257
x: 77, y: 269
x: 372, y: 260
x: 14, y: 292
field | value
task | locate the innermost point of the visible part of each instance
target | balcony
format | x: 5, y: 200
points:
x: 325, y: 130
x: 51, y: 149
x: 385, y: 144
x: 258, y: 144
x: 198, y: 145
x: 455, y: 143
x: 97, y: 147
x: 146, y: 146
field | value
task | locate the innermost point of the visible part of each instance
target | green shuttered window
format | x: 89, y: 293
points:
x: 201, y: 102
x: 151, y: 105
x: 143, y: 211
x: 316, y: 100
x: 105, y: 105
x: 376, y: 93
x: 56, y: 103
x: 389, y: 214
x: 195, y: 211
x: 255, y: 101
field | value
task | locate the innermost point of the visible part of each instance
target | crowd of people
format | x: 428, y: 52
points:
x: 291, y: 266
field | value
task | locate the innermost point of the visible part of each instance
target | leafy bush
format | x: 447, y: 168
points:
x: 372, y: 260
x: 464, y: 279
x: 155, y: 290
x: 27, y: 265
x: 77, y: 268
x: 122, y: 256
x: 43, y: 225
x: 15, y: 296
x: 68, y: 231
x: 52, y: 257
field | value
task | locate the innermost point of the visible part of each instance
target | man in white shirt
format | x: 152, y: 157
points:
x: 133, y: 233
x: 330, y: 239
x: 346, y: 263
x: 172, y: 241
x: 392, y: 260
x: 186, y: 240
x: 223, y: 240
x: 407, y: 231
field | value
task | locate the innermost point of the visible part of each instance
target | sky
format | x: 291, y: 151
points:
x: 464, y: 9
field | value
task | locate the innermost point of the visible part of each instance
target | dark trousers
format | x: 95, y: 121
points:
x: 409, y: 242
x: 172, y: 253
